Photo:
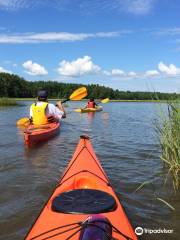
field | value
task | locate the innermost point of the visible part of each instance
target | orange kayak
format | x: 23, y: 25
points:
x: 35, y: 134
x: 83, y: 205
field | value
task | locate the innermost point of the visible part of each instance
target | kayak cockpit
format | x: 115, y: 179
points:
x: 84, y: 201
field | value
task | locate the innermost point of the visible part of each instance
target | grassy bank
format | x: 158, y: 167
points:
x: 158, y: 101
x: 169, y: 132
x: 8, y: 102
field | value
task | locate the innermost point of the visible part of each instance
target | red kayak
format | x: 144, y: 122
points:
x: 83, y: 205
x: 35, y: 134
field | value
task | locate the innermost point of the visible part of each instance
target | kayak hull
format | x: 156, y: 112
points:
x: 36, y: 134
x: 83, y: 174
x: 86, y: 110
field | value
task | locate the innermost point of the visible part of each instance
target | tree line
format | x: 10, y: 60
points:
x: 13, y: 86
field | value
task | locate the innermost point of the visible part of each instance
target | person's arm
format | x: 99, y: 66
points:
x: 30, y: 115
x: 30, y: 112
x: 87, y: 105
x: 60, y: 106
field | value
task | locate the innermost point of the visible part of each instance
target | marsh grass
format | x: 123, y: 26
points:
x: 169, y: 138
x: 155, y: 194
x: 7, y: 102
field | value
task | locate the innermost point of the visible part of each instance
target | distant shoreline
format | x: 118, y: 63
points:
x: 83, y: 100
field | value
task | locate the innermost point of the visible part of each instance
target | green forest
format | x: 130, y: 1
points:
x: 13, y: 86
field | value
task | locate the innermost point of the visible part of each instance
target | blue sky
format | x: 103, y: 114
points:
x: 125, y: 44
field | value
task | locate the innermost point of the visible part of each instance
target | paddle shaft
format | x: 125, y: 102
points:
x: 65, y: 100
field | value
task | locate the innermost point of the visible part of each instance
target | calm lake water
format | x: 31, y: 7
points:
x: 125, y: 141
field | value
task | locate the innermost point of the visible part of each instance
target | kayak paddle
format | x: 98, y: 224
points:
x: 78, y: 94
x: 23, y: 121
x: 105, y: 100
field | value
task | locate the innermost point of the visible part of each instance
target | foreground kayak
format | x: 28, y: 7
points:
x: 83, y: 205
x: 86, y: 110
x: 35, y: 134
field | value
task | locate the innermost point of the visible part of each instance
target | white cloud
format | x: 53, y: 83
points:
x: 169, y: 31
x: 17, y: 4
x: 164, y: 71
x: 117, y: 72
x: 169, y: 70
x: 84, y: 66
x: 138, y: 7
x: 106, y: 73
x: 5, y: 70
x: 34, y: 69
x: 78, y: 67
x: 132, y: 74
x: 151, y: 73
x: 56, y: 37
x: 172, y: 34
x: 6, y: 3
x: 113, y: 34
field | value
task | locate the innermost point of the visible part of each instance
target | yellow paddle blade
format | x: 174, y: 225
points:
x: 78, y: 94
x: 106, y: 100
x: 23, y: 121
x: 77, y: 110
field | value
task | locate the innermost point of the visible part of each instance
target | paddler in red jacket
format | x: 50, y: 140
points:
x: 91, y: 103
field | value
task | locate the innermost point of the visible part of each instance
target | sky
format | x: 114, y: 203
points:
x: 130, y: 45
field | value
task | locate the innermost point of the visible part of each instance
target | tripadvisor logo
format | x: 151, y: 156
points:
x: 139, y: 231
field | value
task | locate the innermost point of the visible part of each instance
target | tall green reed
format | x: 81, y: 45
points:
x: 169, y: 138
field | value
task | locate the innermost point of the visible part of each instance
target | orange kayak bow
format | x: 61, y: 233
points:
x: 83, y: 205
x: 35, y: 134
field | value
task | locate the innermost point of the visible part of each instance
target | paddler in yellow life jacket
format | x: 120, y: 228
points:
x: 42, y: 112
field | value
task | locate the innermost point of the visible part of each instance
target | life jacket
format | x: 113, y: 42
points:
x: 91, y: 104
x: 39, y: 113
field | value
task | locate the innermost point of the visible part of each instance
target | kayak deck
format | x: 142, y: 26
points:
x: 84, y: 192
x: 35, y: 134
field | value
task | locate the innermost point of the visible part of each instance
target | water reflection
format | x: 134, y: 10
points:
x: 90, y: 115
x: 105, y: 118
